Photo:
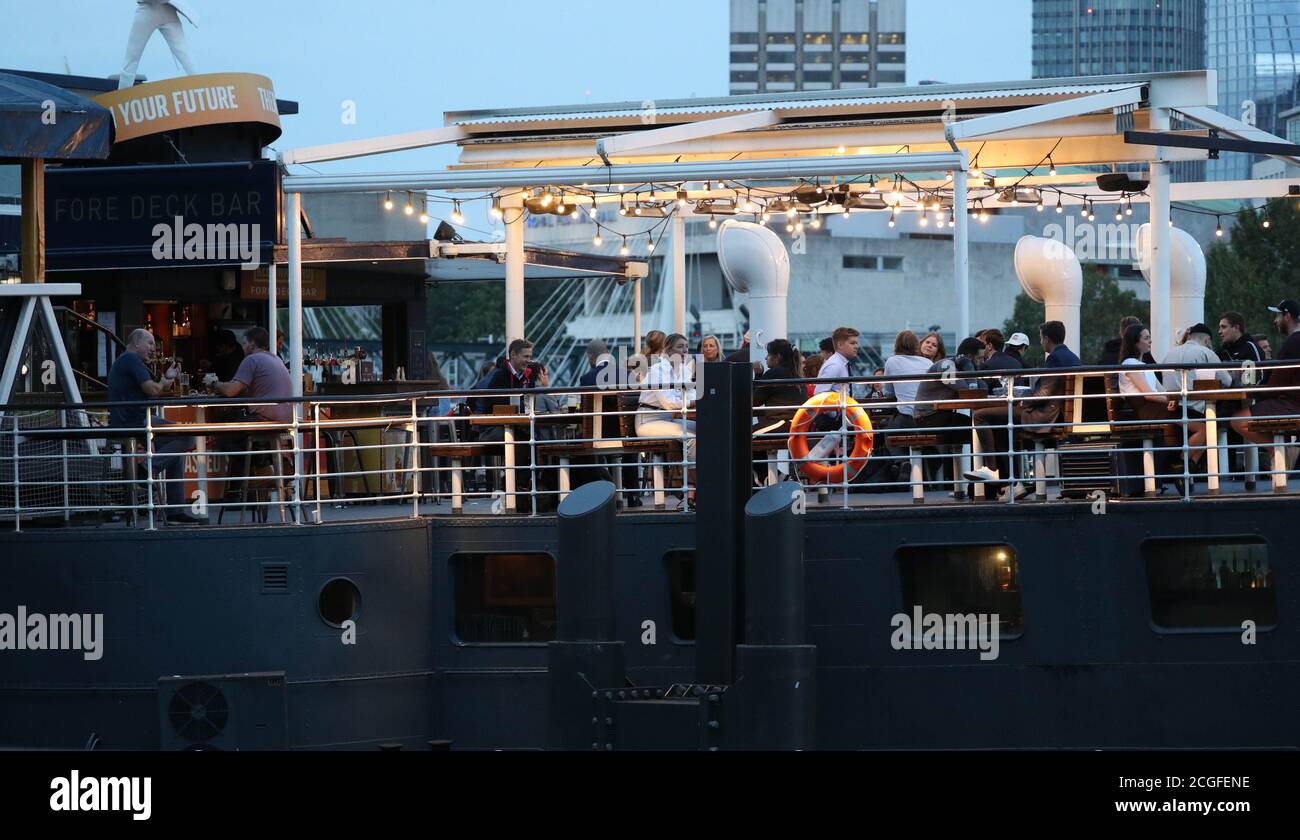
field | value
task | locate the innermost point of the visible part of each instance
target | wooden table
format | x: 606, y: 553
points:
x: 510, y: 422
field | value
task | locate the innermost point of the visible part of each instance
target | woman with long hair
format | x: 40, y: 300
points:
x: 1148, y: 400
x: 932, y: 348
x: 711, y: 349
x: 906, y: 361
x: 661, y: 413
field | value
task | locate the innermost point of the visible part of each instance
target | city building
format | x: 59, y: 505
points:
x: 787, y: 45
x: 1254, y: 46
x: 1102, y: 37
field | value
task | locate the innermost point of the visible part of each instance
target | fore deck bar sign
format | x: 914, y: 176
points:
x: 189, y: 101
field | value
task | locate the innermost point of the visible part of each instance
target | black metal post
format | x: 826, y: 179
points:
x: 584, y: 657
x: 773, y: 703
x: 725, y: 480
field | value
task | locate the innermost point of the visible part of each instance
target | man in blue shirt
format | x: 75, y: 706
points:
x: 598, y: 373
x: 130, y: 381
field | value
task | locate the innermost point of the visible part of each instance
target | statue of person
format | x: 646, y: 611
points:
x: 163, y: 15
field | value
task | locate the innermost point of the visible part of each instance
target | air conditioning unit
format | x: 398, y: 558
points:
x: 223, y: 712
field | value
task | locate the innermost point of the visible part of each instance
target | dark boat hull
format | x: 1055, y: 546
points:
x: 1089, y: 671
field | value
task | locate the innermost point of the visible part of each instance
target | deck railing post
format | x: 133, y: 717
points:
x: 414, y: 458
x: 148, y: 462
x: 18, y: 490
x: 1187, y: 469
x: 317, y: 450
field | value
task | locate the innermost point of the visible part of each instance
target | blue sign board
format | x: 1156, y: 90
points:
x: 219, y: 214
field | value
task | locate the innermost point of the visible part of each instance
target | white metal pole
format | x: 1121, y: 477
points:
x: 1161, y: 328
x: 679, y: 273
x: 961, y: 250
x: 294, y: 235
x: 512, y: 206
x: 636, y: 314
x: 271, y: 324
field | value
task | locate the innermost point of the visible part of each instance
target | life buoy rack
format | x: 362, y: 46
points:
x: 859, y: 426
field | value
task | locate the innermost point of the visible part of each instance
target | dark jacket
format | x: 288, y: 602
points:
x: 1003, y: 361
x: 589, y: 379
x: 791, y: 396
x: 502, y: 378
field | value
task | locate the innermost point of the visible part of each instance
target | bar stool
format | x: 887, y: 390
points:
x: 128, y: 448
x: 278, y: 443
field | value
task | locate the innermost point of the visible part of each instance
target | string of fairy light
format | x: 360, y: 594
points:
x: 802, y: 206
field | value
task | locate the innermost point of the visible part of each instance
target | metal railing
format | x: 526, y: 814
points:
x: 336, y: 458
x: 340, y: 458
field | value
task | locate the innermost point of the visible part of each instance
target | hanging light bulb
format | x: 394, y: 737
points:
x: 1092, y: 216
x: 839, y: 150
x: 1267, y: 224
x: 713, y: 223
x: 1039, y: 207
x: 681, y: 198
x: 650, y: 246
x: 952, y: 219
x: 984, y: 214
x: 765, y: 218
x: 597, y: 240
x: 1084, y: 212
x: 495, y: 212
x: 815, y: 223
x: 924, y: 221
x: 547, y: 198
x: 388, y: 201
x: 1218, y: 226
x: 845, y: 214
x: 820, y: 191
x: 424, y: 218
x: 623, y: 251
x: 798, y: 225
x: 1059, y: 207
x: 1051, y: 167
x: 948, y: 177
x: 409, y: 209
x: 457, y: 217
x: 619, y: 187
x: 791, y: 213
x: 575, y: 215
x: 891, y: 218
x: 789, y: 227
x: 622, y: 208
x: 1119, y: 215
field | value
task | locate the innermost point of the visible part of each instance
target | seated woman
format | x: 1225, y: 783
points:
x: 786, y: 399
x: 666, y: 394
x: 1149, y: 400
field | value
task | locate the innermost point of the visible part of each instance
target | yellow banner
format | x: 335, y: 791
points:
x: 189, y: 101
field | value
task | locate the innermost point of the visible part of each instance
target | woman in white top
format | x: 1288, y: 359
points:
x: 667, y: 395
x: 906, y: 361
x: 1147, y: 398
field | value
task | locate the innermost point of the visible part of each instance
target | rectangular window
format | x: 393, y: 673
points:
x: 680, y: 566
x: 861, y: 261
x: 1199, y: 584
x: 504, y: 598
x: 892, y: 263
x: 964, y: 580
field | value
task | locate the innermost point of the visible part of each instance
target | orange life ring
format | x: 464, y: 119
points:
x: 859, y: 427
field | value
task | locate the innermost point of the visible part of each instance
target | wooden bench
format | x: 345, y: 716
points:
x: 1280, y: 429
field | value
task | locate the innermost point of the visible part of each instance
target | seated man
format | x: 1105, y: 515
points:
x: 261, y: 376
x: 1277, y: 403
x: 1039, y: 409
x: 129, y: 381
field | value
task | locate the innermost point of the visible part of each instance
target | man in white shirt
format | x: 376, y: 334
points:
x: 666, y: 396
x: 1198, y: 349
x: 845, y: 340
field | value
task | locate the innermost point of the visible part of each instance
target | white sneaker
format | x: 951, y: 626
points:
x: 1020, y: 490
x: 981, y: 474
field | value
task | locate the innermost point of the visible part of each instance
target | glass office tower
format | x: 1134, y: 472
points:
x: 1255, y: 47
x: 1106, y: 37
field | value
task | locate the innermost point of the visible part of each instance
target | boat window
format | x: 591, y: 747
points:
x: 504, y: 598
x: 964, y: 580
x: 681, y: 592
x: 1210, y: 584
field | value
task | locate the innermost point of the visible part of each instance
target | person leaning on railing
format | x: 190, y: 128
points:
x: 130, y: 381
x: 1277, y: 403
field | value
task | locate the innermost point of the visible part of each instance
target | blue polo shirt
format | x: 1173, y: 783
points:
x: 124, y: 380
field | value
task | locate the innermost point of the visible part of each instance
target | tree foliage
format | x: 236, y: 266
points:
x: 1257, y: 267
x: 466, y: 312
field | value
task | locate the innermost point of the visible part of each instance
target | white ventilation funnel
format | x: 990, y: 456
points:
x: 1050, y: 273
x: 1186, y: 275
x: 755, y: 262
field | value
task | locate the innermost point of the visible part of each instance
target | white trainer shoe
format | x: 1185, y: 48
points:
x: 981, y: 474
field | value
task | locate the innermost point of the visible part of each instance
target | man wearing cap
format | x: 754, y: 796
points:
x: 1016, y: 346
x: 1277, y: 403
x: 1196, y: 350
